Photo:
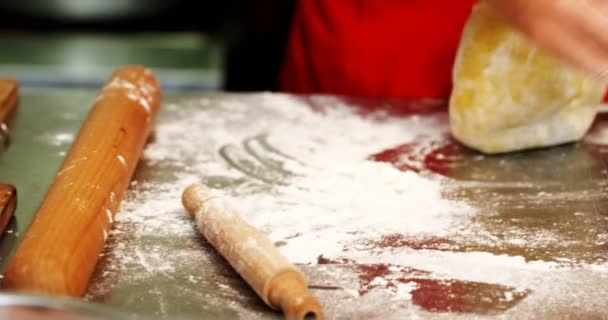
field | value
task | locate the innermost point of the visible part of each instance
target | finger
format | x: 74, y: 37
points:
x: 570, y: 30
x: 568, y: 44
x: 591, y: 22
x: 600, y: 5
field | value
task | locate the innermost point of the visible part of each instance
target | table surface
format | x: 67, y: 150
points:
x: 559, y: 191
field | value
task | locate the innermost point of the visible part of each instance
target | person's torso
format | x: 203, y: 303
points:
x: 387, y: 48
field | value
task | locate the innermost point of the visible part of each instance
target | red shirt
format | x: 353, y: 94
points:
x: 374, y: 48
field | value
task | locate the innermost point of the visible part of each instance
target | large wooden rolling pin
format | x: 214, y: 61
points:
x: 59, y: 251
x: 280, y: 284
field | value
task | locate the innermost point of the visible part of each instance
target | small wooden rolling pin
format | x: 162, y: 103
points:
x: 62, y: 244
x: 280, y: 284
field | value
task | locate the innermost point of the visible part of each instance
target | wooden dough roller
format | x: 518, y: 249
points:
x: 9, y: 92
x: 59, y: 251
x: 280, y: 284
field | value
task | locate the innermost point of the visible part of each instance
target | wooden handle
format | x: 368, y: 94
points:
x: 8, y: 203
x: 280, y: 284
x: 59, y: 251
x: 9, y: 93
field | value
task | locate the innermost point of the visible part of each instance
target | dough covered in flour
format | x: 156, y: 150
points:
x: 509, y: 95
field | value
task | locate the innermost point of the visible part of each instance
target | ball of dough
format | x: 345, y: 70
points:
x: 509, y: 95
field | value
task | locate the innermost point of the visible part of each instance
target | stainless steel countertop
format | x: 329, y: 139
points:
x: 520, y: 196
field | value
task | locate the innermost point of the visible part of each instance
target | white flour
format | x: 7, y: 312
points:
x: 327, y: 210
x: 57, y: 139
x: 313, y: 192
x: 334, y: 196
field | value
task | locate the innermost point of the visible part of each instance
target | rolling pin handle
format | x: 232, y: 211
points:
x: 288, y: 292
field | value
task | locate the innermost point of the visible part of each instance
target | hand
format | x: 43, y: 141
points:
x: 574, y: 30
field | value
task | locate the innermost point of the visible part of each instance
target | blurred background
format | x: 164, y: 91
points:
x: 232, y: 45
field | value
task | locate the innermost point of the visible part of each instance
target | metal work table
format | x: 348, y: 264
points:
x: 554, y: 199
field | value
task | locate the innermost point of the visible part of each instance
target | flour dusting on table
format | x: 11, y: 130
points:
x: 304, y: 178
x: 322, y: 195
x: 57, y: 139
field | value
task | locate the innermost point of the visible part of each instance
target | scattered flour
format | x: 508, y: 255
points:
x: 331, y: 196
x: 57, y: 139
x: 324, y: 212
x: 303, y: 177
